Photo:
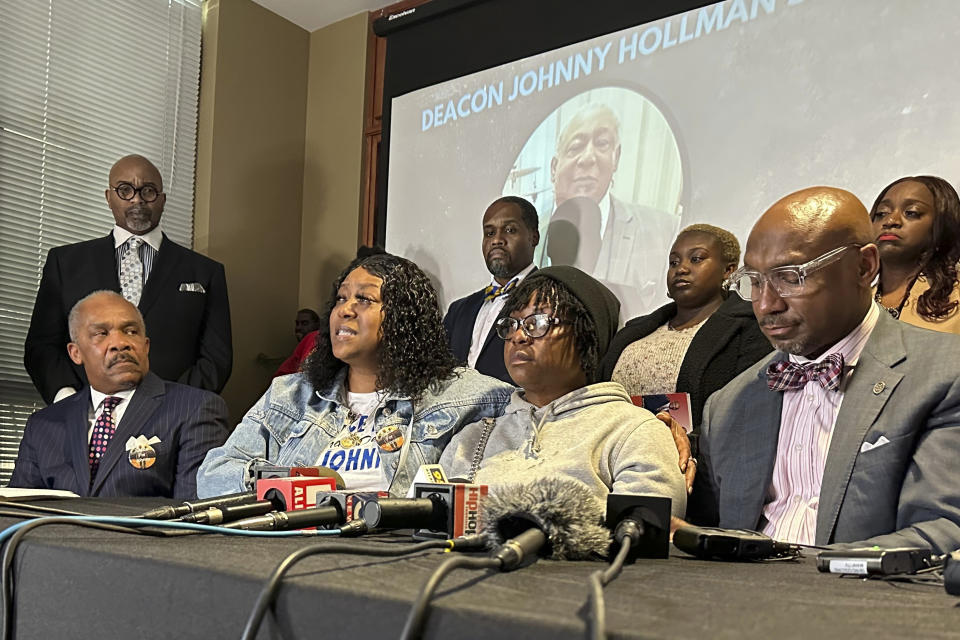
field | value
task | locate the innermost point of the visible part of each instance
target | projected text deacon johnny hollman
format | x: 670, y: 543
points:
x: 575, y: 66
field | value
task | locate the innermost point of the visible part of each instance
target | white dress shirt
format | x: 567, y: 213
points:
x: 488, y: 314
x: 96, y: 407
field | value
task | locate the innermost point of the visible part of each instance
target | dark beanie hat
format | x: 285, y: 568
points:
x: 600, y: 303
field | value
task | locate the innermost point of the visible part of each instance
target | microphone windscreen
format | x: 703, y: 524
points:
x: 565, y: 510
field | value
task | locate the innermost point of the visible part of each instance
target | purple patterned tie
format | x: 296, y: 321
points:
x: 103, y: 430
x: 783, y: 375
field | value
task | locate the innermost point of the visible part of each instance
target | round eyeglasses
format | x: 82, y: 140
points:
x: 533, y: 326
x: 126, y: 191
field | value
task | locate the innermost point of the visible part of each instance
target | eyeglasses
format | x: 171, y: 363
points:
x: 533, y: 326
x: 126, y: 191
x: 788, y: 281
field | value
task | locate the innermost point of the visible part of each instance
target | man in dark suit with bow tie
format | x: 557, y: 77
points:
x: 181, y: 294
x: 127, y: 433
x: 850, y: 431
x: 510, y: 234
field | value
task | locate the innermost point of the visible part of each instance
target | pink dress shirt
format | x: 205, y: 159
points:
x: 807, y: 419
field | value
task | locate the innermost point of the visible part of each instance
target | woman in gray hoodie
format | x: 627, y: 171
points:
x: 556, y: 328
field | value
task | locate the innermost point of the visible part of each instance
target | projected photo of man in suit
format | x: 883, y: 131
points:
x: 614, y: 189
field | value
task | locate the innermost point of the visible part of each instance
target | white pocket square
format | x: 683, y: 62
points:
x: 867, y: 446
x: 194, y: 287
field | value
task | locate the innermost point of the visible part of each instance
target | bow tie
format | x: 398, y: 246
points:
x: 492, y: 292
x: 785, y: 375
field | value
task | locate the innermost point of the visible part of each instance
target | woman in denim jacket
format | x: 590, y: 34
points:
x: 379, y: 397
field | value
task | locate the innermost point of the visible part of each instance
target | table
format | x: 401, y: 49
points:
x: 73, y: 582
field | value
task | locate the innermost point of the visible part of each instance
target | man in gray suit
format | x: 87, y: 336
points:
x: 850, y: 431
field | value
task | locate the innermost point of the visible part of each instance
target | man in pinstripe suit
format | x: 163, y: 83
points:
x: 127, y: 433
x: 181, y: 294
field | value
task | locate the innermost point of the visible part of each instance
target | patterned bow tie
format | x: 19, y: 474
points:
x: 492, y: 292
x: 785, y: 375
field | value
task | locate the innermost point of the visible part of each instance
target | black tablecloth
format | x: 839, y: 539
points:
x: 80, y: 583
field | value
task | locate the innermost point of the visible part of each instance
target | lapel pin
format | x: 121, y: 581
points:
x: 140, y: 452
x: 878, y: 388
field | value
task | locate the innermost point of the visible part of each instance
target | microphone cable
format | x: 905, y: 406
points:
x: 413, y: 628
x: 139, y: 526
x: 269, y: 592
x: 9, y: 504
x: 628, y: 534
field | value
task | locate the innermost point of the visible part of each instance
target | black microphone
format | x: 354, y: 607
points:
x: 219, y: 515
x: 711, y: 543
x: 951, y: 573
x: 429, y: 512
x: 643, y: 519
x: 573, y: 235
x: 289, y: 520
x: 554, y: 518
x: 193, y: 506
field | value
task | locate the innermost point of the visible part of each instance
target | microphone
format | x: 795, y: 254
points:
x: 573, y: 235
x: 951, y: 573
x: 554, y: 518
x: 429, y: 512
x: 289, y: 520
x: 292, y: 493
x: 730, y: 544
x: 350, y: 502
x: 193, y: 506
x: 441, y: 510
x: 219, y: 515
x: 643, y: 519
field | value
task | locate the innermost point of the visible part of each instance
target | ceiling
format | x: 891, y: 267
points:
x: 315, y: 14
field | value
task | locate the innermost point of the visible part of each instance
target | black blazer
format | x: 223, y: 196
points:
x: 459, y: 322
x: 190, y: 338
x: 188, y: 421
x: 727, y: 343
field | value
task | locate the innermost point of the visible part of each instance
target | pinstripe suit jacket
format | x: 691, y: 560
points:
x: 188, y: 421
x: 905, y: 491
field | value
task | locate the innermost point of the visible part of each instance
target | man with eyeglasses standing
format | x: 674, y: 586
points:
x: 181, y: 294
x: 562, y: 423
x: 850, y: 432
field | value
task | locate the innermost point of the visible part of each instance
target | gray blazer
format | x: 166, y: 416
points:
x: 906, y: 388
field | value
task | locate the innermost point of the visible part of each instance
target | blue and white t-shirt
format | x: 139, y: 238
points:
x: 354, y: 453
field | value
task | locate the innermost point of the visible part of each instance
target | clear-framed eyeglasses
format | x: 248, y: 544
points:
x: 126, y: 191
x: 788, y: 281
x: 533, y: 326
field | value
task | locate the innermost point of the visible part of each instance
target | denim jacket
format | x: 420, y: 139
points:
x: 291, y: 425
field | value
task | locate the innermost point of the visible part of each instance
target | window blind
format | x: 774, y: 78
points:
x: 81, y: 85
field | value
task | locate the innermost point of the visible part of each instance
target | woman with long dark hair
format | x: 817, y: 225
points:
x: 917, y: 224
x: 380, y: 396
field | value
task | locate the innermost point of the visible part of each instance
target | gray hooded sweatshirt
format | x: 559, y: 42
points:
x: 594, y: 434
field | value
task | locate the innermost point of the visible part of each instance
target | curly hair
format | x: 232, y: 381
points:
x: 413, y: 353
x: 729, y: 247
x: 938, y: 262
x: 566, y: 306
